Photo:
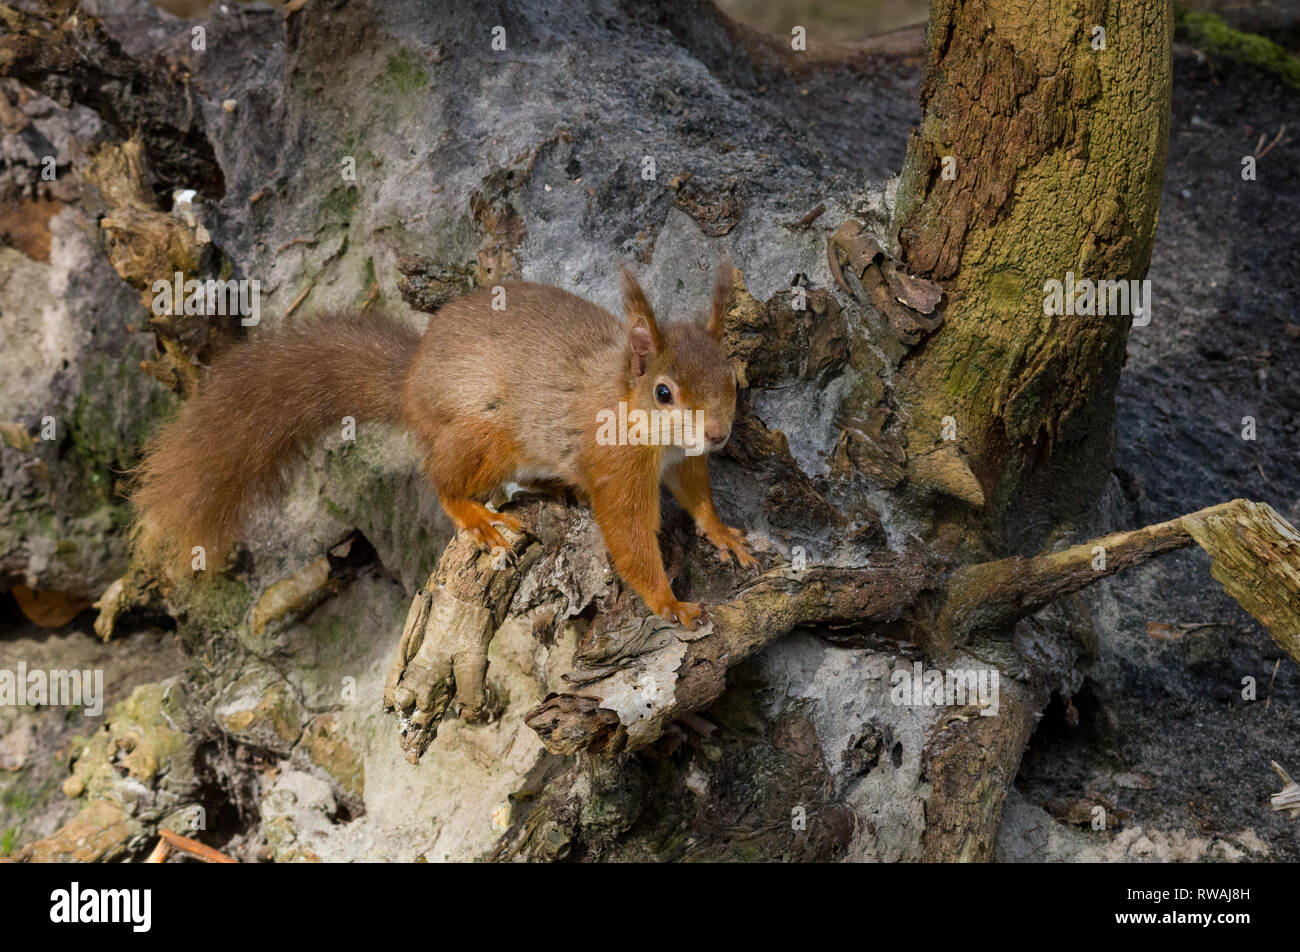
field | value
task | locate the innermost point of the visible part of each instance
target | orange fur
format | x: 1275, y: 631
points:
x: 688, y: 481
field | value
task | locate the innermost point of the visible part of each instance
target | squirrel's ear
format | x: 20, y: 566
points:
x: 721, y: 298
x: 642, y: 332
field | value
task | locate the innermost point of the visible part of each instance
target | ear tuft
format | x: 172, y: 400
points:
x: 721, y: 298
x: 635, y: 304
x: 643, y: 340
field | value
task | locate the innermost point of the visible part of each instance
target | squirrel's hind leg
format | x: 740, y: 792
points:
x: 466, y: 463
x: 481, y: 522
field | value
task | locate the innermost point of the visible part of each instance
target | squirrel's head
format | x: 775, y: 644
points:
x: 678, y: 370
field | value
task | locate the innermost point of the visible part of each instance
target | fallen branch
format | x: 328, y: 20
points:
x: 1254, y: 554
x: 634, y: 674
x: 185, y: 845
x: 1288, y: 798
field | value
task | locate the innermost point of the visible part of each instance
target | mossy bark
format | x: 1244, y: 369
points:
x: 1040, y: 153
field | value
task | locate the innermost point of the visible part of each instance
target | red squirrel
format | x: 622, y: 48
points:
x: 481, y: 416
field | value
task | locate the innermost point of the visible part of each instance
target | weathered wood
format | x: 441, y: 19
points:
x: 1254, y: 552
x: 989, y: 594
x: 1288, y: 798
x: 636, y: 673
x: 73, y: 59
x: 661, y: 671
x: 970, y: 763
x: 1255, y: 556
x: 441, y: 661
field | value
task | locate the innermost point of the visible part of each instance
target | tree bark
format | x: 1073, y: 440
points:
x: 1056, y: 152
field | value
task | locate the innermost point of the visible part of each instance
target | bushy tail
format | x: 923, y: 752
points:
x: 234, y: 443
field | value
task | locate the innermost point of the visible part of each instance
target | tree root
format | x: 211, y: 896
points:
x: 441, y: 662
x: 653, y: 672
x: 634, y: 674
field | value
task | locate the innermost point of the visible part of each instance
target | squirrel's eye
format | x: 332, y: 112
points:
x: 663, y: 394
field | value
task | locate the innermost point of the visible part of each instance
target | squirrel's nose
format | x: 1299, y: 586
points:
x: 716, y: 435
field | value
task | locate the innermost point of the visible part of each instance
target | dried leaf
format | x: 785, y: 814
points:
x: 49, y: 609
x: 1163, y: 631
x: 920, y: 294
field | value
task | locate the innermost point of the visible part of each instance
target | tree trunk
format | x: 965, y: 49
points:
x: 1056, y: 149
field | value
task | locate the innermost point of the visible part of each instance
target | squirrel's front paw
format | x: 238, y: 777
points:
x: 729, y: 542
x: 690, y: 615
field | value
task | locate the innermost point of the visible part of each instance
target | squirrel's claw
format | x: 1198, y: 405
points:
x: 489, y: 539
x: 730, y: 542
x: 690, y: 615
x: 481, y: 522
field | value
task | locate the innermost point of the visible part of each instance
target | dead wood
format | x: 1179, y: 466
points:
x: 653, y: 672
x: 1254, y: 552
x: 634, y: 674
x: 73, y: 59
